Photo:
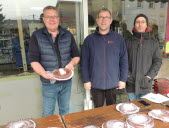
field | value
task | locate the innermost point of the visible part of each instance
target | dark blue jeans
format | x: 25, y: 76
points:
x: 60, y: 92
x: 133, y: 96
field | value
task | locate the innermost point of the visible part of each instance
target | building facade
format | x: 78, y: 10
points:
x: 18, y: 82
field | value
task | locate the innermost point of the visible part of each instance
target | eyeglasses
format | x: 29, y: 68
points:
x: 102, y: 17
x: 51, y: 17
x: 140, y: 22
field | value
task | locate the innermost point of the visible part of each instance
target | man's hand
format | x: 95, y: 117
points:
x: 69, y: 66
x: 121, y: 85
x: 37, y: 67
x: 73, y: 63
x: 87, y: 85
x: 48, y: 75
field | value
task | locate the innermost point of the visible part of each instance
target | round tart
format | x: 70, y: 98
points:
x: 140, y: 121
x: 159, y: 114
x: 63, y: 74
x: 114, y: 124
x: 127, y: 108
x: 22, y: 124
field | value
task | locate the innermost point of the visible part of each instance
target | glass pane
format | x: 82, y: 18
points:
x: 19, y: 19
x: 71, y: 17
x: 124, y: 12
x: 156, y: 14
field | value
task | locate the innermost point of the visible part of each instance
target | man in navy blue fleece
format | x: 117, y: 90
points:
x: 104, y: 62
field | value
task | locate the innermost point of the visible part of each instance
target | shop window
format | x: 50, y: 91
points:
x: 16, y: 28
x: 25, y: 17
x: 124, y: 12
x: 19, y: 19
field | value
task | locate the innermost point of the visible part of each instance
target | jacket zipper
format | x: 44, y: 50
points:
x: 56, y: 49
x: 141, y: 40
x: 104, y: 62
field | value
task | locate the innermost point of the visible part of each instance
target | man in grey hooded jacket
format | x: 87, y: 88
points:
x: 144, y: 59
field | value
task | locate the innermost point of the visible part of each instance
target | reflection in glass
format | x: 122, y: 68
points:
x: 30, y: 13
x: 26, y: 17
x: 124, y: 11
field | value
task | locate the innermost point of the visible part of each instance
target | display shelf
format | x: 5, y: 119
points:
x: 6, y: 53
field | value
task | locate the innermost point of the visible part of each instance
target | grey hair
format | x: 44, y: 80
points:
x: 50, y: 8
x: 104, y: 10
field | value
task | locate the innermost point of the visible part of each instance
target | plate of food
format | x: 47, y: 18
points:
x: 63, y: 74
x: 114, y: 124
x: 160, y: 114
x: 22, y: 124
x: 140, y: 121
x: 127, y: 108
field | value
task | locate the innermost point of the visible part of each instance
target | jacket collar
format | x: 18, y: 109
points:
x: 61, y: 30
x: 145, y: 34
x: 97, y: 31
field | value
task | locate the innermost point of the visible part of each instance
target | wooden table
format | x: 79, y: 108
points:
x: 99, y: 115
x: 95, y: 116
x: 45, y: 122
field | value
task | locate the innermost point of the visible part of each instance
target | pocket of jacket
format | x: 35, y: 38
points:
x: 130, y: 80
x: 146, y: 83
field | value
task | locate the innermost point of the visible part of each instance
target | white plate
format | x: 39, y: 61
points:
x: 127, y: 108
x: 66, y: 78
x: 160, y: 114
x: 34, y: 124
x: 114, y: 124
x: 22, y: 123
x: 140, y: 120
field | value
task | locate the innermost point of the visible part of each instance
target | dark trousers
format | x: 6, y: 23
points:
x: 99, y: 96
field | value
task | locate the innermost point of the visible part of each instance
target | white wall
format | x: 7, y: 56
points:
x: 20, y: 97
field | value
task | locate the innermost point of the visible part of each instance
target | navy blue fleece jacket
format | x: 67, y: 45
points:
x: 104, y: 60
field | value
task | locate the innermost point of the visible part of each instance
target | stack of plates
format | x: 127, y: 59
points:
x: 127, y: 108
x: 140, y: 121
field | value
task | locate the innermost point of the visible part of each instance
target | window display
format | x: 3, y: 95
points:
x: 30, y: 15
x: 6, y: 54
